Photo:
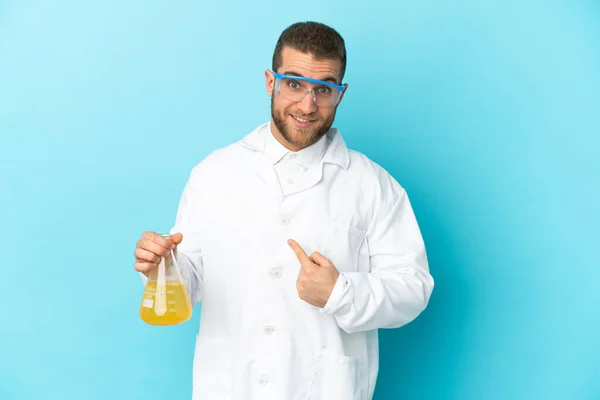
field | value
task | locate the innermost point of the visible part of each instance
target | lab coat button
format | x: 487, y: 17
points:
x: 262, y: 380
x: 284, y: 221
x: 290, y: 181
x: 268, y: 330
x: 276, y: 272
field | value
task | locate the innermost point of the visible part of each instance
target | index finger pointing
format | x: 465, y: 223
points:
x: 300, y: 253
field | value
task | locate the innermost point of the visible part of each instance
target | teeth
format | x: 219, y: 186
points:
x: 302, y: 119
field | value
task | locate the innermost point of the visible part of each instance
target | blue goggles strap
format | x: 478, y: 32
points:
x: 316, y: 81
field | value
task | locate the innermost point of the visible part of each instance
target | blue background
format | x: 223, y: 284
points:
x: 488, y: 113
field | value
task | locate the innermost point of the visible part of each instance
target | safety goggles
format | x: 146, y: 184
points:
x: 295, y: 88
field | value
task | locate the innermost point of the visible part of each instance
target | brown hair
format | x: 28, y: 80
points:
x: 317, y: 39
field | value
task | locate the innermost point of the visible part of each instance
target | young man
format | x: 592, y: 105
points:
x: 299, y: 248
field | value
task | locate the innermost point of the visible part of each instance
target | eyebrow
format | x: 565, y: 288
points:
x: 327, y: 79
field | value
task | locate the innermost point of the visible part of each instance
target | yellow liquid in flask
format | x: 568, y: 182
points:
x: 178, y: 305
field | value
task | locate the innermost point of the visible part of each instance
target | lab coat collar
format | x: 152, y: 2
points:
x: 306, y: 157
x: 273, y: 149
x: 336, y: 153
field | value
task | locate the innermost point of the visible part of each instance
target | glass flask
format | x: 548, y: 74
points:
x: 165, y: 300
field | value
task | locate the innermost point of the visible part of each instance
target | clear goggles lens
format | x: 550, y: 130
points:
x: 295, y: 89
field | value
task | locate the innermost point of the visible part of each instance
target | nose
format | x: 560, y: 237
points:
x: 307, y: 104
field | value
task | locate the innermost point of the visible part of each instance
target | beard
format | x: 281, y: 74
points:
x: 304, y: 137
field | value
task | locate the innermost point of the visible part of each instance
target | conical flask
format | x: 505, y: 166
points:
x: 165, y: 300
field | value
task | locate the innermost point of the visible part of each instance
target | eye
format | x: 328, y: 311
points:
x: 292, y: 84
x: 324, y: 90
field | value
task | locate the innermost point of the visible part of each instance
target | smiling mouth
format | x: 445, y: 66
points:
x: 302, y: 121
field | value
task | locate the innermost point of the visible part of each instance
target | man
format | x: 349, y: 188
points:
x: 299, y: 248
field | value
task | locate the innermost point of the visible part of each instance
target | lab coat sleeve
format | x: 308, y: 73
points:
x: 398, y: 285
x: 189, y: 254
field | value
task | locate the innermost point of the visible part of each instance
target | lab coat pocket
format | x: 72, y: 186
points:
x: 212, y: 369
x: 343, y: 245
x: 339, y: 378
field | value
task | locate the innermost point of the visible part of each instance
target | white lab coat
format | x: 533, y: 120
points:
x: 257, y: 338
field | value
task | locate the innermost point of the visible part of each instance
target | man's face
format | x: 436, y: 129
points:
x: 299, y: 124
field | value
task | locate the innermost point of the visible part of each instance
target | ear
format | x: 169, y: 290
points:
x: 343, y: 93
x: 270, y: 82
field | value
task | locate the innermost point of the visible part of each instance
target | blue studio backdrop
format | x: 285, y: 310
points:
x: 487, y: 112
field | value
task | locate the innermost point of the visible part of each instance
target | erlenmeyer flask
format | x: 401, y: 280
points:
x: 166, y: 301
